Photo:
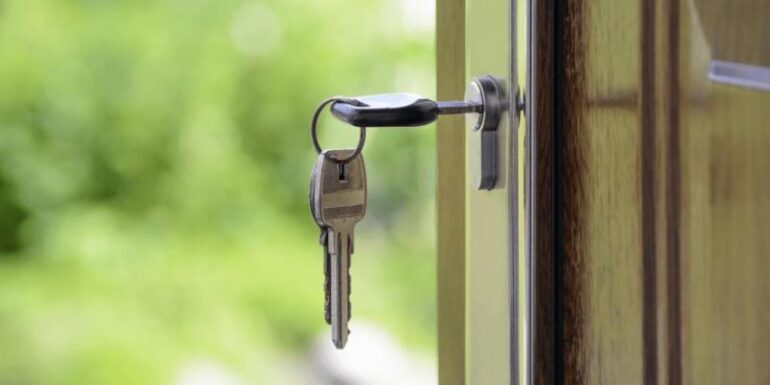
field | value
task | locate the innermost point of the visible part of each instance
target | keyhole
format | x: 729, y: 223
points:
x: 342, y: 173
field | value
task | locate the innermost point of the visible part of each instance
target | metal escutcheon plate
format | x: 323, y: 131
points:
x: 490, y: 92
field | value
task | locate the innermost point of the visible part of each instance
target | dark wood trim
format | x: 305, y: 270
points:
x: 571, y: 169
x: 541, y: 140
x: 673, y: 199
x: 648, y: 194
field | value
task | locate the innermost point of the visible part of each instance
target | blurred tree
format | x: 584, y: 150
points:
x: 154, y: 162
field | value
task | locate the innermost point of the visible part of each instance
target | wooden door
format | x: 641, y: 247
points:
x: 640, y: 201
x: 654, y: 177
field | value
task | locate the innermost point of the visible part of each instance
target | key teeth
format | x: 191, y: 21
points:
x: 327, y: 311
x: 327, y: 278
x: 350, y: 291
x: 327, y: 298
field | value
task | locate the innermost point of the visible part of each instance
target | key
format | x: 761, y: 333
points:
x: 486, y: 102
x: 397, y: 110
x: 340, y: 203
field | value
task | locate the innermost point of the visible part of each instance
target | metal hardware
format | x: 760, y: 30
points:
x: 466, y: 107
x: 739, y: 74
x: 490, y: 93
x: 396, y: 110
x: 527, y: 365
x: 314, y: 129
x: 485, y: 104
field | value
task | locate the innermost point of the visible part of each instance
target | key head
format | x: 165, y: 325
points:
x: 387, y: 110
x: 339, y: 194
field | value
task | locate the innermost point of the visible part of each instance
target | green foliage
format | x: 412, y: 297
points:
x: 154, y: 162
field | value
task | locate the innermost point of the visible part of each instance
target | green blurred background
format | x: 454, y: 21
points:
x: 154, y: 163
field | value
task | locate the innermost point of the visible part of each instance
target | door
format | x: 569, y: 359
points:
x: 631, y: 242
x: 660, y: 174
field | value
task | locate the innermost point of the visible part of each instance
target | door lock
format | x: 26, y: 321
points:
x: 484, y: 105
x: 482, y: 142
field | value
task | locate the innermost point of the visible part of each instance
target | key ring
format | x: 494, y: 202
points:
x: 314, y: 129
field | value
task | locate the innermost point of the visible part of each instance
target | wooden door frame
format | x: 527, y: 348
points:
x: 539, y: 193
x: 557, y: 172
x: 450, y: 194
x: 555, y: 95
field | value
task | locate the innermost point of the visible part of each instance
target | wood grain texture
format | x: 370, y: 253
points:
x: 669, y: 234
x: 737, y: 30
x: 655, y: 182
x: 489, y: 223
x: 606, y: 247
x: 450, y: 194
x: 725, y: 210
x: 540, y: 122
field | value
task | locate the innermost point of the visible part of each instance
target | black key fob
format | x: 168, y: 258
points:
x: 387, y: 110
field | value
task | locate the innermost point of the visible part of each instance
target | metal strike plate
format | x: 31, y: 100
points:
x: 483, y: 141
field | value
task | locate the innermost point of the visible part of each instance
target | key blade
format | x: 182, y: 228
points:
x: 451, y: 108
x: 340, y: 290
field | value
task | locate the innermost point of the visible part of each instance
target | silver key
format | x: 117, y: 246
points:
x: 339, y: 197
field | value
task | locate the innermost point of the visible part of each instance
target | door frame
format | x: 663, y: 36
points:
x: 531, y: 298
x: 450, y: 194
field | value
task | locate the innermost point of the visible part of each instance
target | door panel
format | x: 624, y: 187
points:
x: 725, y: 237
x: 476, y: 230
x: 604, y: 224
x: 490, y: 238
x: 725, y: 210
x: 658, y: 183
x: 450, y: 194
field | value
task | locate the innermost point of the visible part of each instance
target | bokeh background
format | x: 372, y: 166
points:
x: 154, y: 164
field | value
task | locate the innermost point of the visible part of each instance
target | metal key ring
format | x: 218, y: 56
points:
x: 314, y: 129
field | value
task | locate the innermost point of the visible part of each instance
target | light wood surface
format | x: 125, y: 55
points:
x: 489, y: 237
x: 725, y: 202
x: 659, y: 181
x: 450, y: 194
x: 652, y: 216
